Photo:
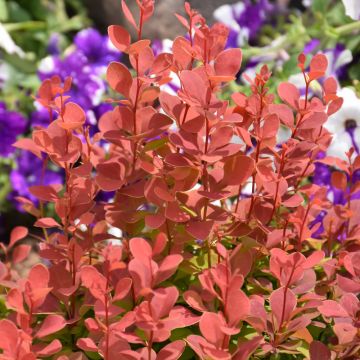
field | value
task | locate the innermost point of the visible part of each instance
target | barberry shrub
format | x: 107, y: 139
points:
x: 220, y: 252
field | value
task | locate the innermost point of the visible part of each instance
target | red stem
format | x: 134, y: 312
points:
x: 305, y: 106
x: 205, y: 184
x: 258, y: 145
x: 285, y: 293
x: 150, y: 345
x: 349, y: 198
x: 329, y: 244
x: 282, y: 164
x: 303, y: 225
x: 238, y: 199
x: 141, y: 23
x: 106, y: 298
x: 187, y: 107
x: 169, y: 236
x: 225, y: 343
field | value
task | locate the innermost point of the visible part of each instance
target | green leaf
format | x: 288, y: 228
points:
x: 23, y: 65
x: 155, y: 144
x: 127, y: 305
x: 181, y: 333
x: 188, y: 354
x: 354, y: 72
x: 17, y: 13
x: 25, y: 25
x: 93, y: 355
x: 141, y: 334
x: 188, y: 210
x: 36, y: 8
x: 304, y: 349
x: 248, y: 332
x: 190, y: 267
x: 3, y: 309
x: 320, y: 5
x: 74, y: 23
x: 3, y: 11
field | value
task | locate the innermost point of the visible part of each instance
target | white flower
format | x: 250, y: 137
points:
x: 337, y: 60
x: 339, y: 124
x: 91, y: 117
x: 173, y: 86
x: 99, y: 92
x: 272, y: 52
x: 117, y: 233
x: 283, y: 135
x: 110, y: 45
x: 47, y: 65
x: 352, y: 8
x: 297, y: 80
x: 167, y: 45
x: 237, y: 140
x: 7, y: 43
x: 247, y: 188
x: 339, y: 145
x: 227, y: 14
x: 5, y: 70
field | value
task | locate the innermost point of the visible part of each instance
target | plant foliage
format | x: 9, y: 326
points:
x: 217, y: 257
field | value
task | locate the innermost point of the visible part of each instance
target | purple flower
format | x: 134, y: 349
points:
x: 40, y: 117
x: 311, y: 46
x: 157, y: 46
x: 95, y: 114
x: 244, y: 20
x: 322, y: 172
x: 105, y: 196
x: 29, y: 172
x: 322, y: 177
x: 345, y: 125
x: 97, y: 48
x: 101, y: 109
x: 87, y: 88
x: 53, y: 47
x: 232, y: 41
x: 12, y: 124
x: 254, y: 16
x: 320, y: 228
x: 338, y: 57
x: 86, y: 64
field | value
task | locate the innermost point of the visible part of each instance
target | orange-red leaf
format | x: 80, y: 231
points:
x: 228, y: 62
x: 119, y: 78
x: 29, y: 145
x: 18, y: 233
x: 73, y: 116
x: 238, y: 169
x: 47, y: 223
x: 119, y: 37
x: 289, y: 93
x: 129, y: 16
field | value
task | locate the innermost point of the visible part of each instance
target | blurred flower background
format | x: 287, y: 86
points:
x: 42, y: 38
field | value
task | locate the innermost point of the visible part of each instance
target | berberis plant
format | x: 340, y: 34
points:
x: 227, y: 251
